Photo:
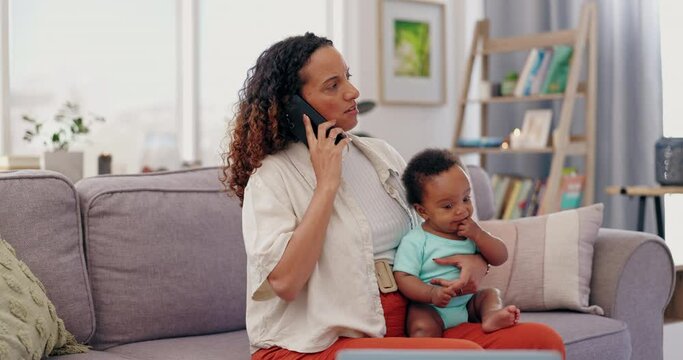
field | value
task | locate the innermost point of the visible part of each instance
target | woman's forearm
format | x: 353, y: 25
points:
x: 305, y: 246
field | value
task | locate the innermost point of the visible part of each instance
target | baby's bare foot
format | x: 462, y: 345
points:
x: 499, y: 319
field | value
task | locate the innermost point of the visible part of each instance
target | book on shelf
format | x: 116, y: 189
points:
x: 19, y: 162
x: 499, y: 192
x: 531, y: 60
x: 515, y: 196
x: 520, y: 202
x: 511, y: 201
x: 486, y: 141
x: 534, y: 73
x: 535, y: 196
x: 537, y: 82
x: 558, y: 70
x: 571, y: 189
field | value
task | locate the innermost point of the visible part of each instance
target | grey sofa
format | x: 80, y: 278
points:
x: 153, y: 267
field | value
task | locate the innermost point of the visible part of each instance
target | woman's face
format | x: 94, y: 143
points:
x: 328, y: 89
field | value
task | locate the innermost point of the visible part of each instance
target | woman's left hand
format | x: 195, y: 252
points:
x: 472, y: 271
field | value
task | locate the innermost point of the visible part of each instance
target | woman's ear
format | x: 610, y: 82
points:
x: 421, y: 211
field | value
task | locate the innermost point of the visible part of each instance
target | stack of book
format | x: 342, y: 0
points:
x: 545, y: 71
x: 516, y: 196
x: 19, y: 162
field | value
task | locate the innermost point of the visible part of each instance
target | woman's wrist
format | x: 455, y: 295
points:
x: 326, y: 189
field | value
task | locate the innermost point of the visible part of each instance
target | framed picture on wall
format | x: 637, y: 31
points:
x: 412, y: 52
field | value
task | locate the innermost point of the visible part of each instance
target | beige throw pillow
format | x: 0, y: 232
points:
x: 29, y: 325
x: 550, y: 260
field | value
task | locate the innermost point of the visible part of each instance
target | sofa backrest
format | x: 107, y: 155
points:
x: 39, y: 217
x: 165, y: 255
x: 483, y: 194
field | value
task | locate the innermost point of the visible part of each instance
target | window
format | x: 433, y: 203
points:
x: 114, y: 58
x: 672, y: 78
x: 232, y: 36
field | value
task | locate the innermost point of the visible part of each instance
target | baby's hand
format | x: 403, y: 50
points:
x: 441, y: 296
x: 469, y: 228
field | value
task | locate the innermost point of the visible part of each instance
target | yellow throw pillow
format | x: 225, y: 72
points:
x: 29, y: 325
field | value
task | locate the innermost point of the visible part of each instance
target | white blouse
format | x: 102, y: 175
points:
x: 341, y: 297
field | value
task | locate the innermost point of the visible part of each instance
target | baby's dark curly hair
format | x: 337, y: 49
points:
x: 260, y: 126
x: 421, y: 167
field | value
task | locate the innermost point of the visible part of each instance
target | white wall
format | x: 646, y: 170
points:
x: 408, y: 128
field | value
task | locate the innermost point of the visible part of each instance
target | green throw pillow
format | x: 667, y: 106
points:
x: 29, y: 325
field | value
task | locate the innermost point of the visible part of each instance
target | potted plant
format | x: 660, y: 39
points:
x: 69, y: 126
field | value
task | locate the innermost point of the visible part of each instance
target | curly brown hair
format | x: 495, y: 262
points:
x: 260, y: 127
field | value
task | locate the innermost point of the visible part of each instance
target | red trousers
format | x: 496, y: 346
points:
x: 464, y: 336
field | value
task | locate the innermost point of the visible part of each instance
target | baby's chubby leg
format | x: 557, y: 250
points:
x: 423, y: 321
x: 487, y: 307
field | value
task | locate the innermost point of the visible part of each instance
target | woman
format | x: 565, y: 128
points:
x: 317, y: 217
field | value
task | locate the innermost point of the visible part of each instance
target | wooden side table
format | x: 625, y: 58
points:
x: 643, y: 192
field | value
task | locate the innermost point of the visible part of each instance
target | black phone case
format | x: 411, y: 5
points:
x: 299, y: 107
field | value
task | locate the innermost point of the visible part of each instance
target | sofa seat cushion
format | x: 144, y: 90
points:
x: 225, y: 346
x: 587, y: 336
x: 91, y: 355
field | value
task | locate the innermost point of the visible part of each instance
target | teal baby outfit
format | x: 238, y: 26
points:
x: 415, y: 256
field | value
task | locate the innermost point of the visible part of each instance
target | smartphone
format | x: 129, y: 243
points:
x: 297, y: 108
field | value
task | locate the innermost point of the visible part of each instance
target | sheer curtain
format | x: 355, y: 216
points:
x: 629, y: 113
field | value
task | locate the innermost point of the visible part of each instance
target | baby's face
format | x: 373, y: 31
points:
x: 446, y: 201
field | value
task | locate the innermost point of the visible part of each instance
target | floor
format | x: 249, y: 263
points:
x: 673, y: 340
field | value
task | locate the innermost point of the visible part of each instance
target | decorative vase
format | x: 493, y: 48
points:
x: 69, y: 163
x: 669, y: 161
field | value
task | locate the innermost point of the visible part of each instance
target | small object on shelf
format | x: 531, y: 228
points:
x: 68, y: 163
x: 484, y: 90
x: 536, y: 128
x: 571, y: 189
x: 194, y: 164
x: 516, y: 139
x: 19, y: 162
x: 487, y: 141
x: 508, y: 85
x: 669, y: 161
x: 496, y: 89
x: 104, y: 164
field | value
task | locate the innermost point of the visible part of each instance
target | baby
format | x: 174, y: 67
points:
x: 439, y: 189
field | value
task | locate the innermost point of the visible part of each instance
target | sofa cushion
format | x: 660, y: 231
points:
x: 550, y: 262
x: 587, y: 336
x: 165, y: 255
x: 226, y: 346
x: 91, y: 355
x: 29, y: 325
x: 39, y: 217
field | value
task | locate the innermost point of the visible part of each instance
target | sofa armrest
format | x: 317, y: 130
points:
x: 633, y: 280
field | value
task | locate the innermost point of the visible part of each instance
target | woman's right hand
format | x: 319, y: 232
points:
x: 473, y: 268
x: 326, y: 156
